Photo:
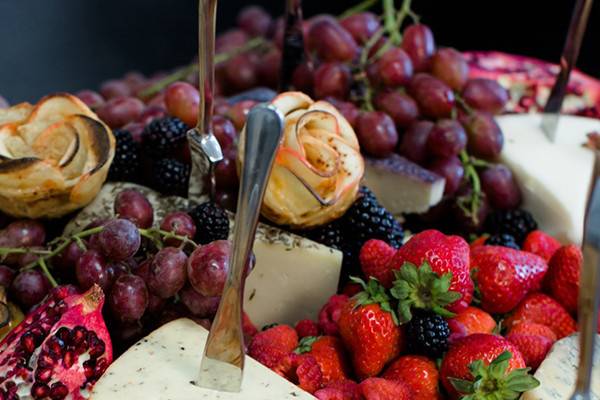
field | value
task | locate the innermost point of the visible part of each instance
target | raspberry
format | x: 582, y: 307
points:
x: 533, y: 348
x: 307, y: 327
x: 374, y: 257
x: 302, y: 370
x: 330, y: 314
x: 269, y: 347
x: 380, y: 388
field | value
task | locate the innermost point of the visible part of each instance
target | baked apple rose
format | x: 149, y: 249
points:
x: 54, y: 157
x: 318, y: 166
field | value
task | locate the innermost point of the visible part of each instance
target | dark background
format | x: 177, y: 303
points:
x: 53, y: 45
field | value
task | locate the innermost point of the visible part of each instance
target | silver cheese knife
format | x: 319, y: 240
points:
x: 223, y: 361
x: 204, y: 147
x: 567, y: 62
x: 589, y: 292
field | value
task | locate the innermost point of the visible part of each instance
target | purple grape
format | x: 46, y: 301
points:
x: 29, y: 257
x: 450, y: 169
x: 418, y: 42
x: 134, y: 206
x: 90, y: 269
x: 485, y: 138
x: 226, y: 171
x: 179, y: 223
x: 224, y: 131
x: 119, y: 240
x: 434, y: 97
x: 114, y: 88
x: 463, y: 220
x: 155, y: 304
x: 25, y: 233
x: 208, y: 267
x: 376, y: 133
x: 167, y: 273
x: 414, y: 141
x: 90, y: 98
x: 331, y: 41
x: 332, y: 79
x: 128, y: 298
x: 254, y: 20
x: 446, y: 139
x: 361, y: 26
x: 401, y: 107
x: 30, y: 287
x: 7, y: 275
x: 199, y: 305
x: 485, y: 95
x: 451, y: 67
x: 65, y: 261
x: 143, y: 269
x: 500, y: 186
x: 116, y: 270
x: 394, y: 68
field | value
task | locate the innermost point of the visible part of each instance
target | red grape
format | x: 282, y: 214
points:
x: 446, y: 139
x: 395, y: 68
x: 331, y: 41
x: 208, y: 267
x: 115, y: 88
x: 462, y: 219
x: 241, y: 73
x: 224, y: 131
x: 485, y: 95
x: 136, y: 129
x: 128, y: 298
x: 135, y: 207
x: 119, y: 111
x: 361, y: 26
x: 3, y: 103
x: 485, y: 136
x: 303, y: 78
x: 199, y: 305
x: 221, y: 106
x: 346, y: 108
x: 182, y: 101
x: 227, y: 200
x: 398, y: 105
x: 25, y: 233
x: 419, y: 44
x: 115, y: 270
x: 7, y: 275
x: 452, y: 170
x: 376, y: 133
x: 119, y: 240
x: 155, y: 304
x: 226, y: 170
x: 167, y: 272
x: 30, y: 287
x: 500, y: 186
x: 158, y: 100
x: 91, y: 268
x: 332, y: 79
x: 65, y: 261
x: 230, y: 40
x: 91, y: 98
x: 414, y: 141
x: 143, y: 269
x: 179, y: 223
x: 238, y: 112
x: 451, y: 67
x: 434, y: 97
x: 254, y: 20
x: 268, y: 69
x: 136, y: 81
x: 29, y: 257
x: 150, y: 114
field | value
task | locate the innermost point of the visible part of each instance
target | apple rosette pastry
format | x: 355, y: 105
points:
x: 54, y: 157
x: 318, y: 166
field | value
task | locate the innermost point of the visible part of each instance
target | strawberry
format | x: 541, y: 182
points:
x: 564, y: 272
x: 485, y: 366
x: 533, y: 347
x: 472, y: 320
x: 504, y: 276
x: 480, y: 241
x: 444, y: 254
x: 248, y: 326
x: 531, y: 328
x: 369, y: 328
x: 302, y: 370
x: 374, y: 257
x: 419, y: 373
x: 543, y: 309
x: 384, y: 389
x: 540, y: 243
x: 330, y: 313
x: 340, y: 390
x: 270, y: 346
x: 329, y: 353
x: 307, y: 327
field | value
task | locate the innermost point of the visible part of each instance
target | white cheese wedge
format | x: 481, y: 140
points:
x: 293, y: 276
x: 554, y: 177
x: 164, y: 365
x: 558, y: 372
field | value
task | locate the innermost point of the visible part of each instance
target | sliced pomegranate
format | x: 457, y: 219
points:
x: 59, y: 350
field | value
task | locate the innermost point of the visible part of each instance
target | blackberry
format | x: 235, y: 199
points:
x: 503, y: 239
x: 212, y: 223
x: 171, y: 177
x: 517, y: 223
x: 367, y: 219
x: 126, y: 162
x: 164, y: 135
x: 329, y: 235
x: 427, y: 334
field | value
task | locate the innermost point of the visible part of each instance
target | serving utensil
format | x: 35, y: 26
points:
x: 204, y: 147
x: 223, y: 361
x: 589, y: 292
x: 567, y: 62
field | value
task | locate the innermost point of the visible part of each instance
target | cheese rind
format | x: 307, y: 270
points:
x: 558, y: 372
x: 554, y: 177
x: 165, y: 364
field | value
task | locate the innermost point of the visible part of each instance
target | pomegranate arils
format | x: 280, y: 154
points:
x: 43, y: 375
x: 79, y: 336
x: 55, y: 345
x: 69, y: 359
x: 28, y: 343
x: 58, y: 391
x: 88, y: 368
x: 39, y: 390
x: 45, y: 361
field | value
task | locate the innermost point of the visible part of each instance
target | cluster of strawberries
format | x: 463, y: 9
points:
x: 503, y: 309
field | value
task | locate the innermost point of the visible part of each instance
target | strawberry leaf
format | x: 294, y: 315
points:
x: 373, y: 293
x: 461, y: 385
x: 305, y: 344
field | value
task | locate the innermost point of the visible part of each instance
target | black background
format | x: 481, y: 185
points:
x: 53, y: 45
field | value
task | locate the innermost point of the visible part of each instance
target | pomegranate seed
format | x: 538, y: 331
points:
x: 9, y: 385
x: 28, y: 342
x: 97, y: 350
x: 88, y: 368
x: 101, y: 366
x: 58, y: 391
x: 39, y: 390
x: 69, y: 359
x: 2, y: 395
x: 45, y: 361
x: 79, y: 335
x: 43, y: 375
x: 64, y: 334
x: 55, y: 345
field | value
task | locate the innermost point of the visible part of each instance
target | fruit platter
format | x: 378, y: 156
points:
x: 419, y: 236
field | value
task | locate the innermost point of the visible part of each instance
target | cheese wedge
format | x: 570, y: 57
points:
x: 554, y: 177
x: 293, y: 276
x: 165, y: 364
x: 558, y: 372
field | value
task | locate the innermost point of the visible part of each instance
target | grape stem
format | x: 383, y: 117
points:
x: 461, y: 102
x: 152, y: 233
x: 390, y: 22
x: 5, y: 251
x: 184, y: 72
x: 360, y: 7
x: 470, y: 204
